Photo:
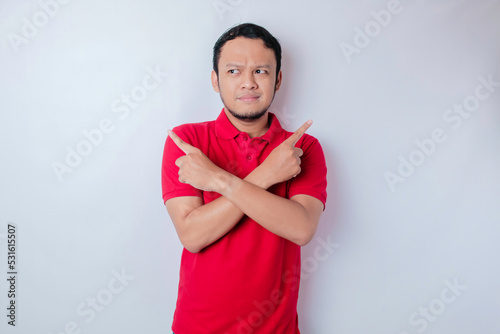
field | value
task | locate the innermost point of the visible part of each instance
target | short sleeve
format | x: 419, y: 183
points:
x: 312, y: 178
x: 171, y: 187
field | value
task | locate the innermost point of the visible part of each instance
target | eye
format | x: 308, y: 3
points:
x: 233, y: 71
x: 261, y: 71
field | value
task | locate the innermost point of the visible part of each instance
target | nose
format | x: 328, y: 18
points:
x: 249, y: 81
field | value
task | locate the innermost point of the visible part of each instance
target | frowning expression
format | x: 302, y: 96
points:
x: 247, y: 79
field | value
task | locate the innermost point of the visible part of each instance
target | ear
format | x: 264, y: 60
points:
x: 278, y: 81
x: 215, y: 82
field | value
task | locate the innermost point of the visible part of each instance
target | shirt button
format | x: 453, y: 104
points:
x: 249, y: 157
x: 245, y: 138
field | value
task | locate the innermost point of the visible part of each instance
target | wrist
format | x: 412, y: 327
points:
x: 222, y: 181
x: 258, y: 178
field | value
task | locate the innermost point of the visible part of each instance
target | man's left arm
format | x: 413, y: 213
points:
x: 295, y: 219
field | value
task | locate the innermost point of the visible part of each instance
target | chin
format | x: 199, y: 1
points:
x: 248, y: 115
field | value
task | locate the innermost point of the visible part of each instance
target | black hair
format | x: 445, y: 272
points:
x: 252, y: 31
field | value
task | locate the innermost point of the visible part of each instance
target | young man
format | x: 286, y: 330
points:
x: 244, y: 195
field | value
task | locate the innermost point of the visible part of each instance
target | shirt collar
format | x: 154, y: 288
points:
x: 224, y: 129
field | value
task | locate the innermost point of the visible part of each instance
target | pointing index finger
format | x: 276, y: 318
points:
x: 185, y: 147
x: 294, y: 138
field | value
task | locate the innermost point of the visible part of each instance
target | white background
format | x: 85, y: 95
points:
x: 395, y: 248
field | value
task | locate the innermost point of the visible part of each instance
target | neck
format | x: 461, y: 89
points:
x: 254, y: 128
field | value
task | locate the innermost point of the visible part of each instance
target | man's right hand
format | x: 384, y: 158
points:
x: 283, y: 162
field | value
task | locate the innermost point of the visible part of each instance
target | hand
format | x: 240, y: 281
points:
x: 195, y: 168
x: 283, y: 162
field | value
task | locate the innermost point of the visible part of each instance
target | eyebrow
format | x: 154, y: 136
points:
x: 241, y: 65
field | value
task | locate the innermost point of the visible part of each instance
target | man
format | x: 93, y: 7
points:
x: 244, y: 195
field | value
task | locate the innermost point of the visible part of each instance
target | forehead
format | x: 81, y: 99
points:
x: 247, y: 51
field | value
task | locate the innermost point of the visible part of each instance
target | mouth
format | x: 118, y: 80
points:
x: 248, y: 98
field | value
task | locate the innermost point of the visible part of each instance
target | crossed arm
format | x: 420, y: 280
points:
x: 199, y: 225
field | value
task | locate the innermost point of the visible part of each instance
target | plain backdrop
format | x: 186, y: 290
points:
x: 405, y: 100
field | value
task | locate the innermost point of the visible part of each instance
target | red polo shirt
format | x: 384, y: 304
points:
x: 248, y: 280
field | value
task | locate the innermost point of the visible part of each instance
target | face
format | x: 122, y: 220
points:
x: 247, y: 78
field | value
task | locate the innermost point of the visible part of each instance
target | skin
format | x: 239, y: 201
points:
x: 247, y: 82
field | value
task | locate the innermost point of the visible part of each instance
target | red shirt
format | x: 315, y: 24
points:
x: 248, y: 280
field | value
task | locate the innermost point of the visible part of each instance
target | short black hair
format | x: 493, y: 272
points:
x: 252, y: 31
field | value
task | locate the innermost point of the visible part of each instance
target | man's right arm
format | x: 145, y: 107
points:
x: 199, y: 225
